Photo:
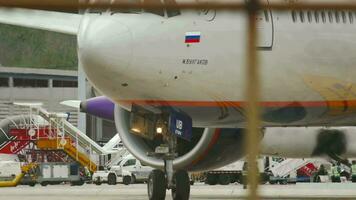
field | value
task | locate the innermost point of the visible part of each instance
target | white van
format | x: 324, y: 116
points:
x: 129, y: 170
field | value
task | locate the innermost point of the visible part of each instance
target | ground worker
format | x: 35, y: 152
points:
x: 244, y: 175
x: 321, y: 172
x: 353, y: 171
x: 335, y: 173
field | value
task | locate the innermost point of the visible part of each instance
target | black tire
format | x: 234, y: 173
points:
x: 112, y: 179
x: 80, y: 182
x: 44, y: 184
x: 156, y: 185
x: 182, y: 186
x: 97, y: 182
x: 77, y: 183
x: 224, y: 179
x: 32, y: 184
x: 126, y: 180
x: 211, y: 179
x: 353, y: 178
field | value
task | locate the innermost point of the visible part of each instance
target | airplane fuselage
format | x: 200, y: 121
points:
x: 307, y: 64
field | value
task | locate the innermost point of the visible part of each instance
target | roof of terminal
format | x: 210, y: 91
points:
x: 37, y: 71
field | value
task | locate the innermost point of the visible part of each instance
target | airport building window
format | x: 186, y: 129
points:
x: 4, y: 82
x: 65, y: 84
x: 172, y: 12
x: 27, y: 82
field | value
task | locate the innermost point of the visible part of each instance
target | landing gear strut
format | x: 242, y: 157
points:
x: 178, y: 182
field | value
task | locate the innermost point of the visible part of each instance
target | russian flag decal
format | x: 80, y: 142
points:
x: 192, y: 37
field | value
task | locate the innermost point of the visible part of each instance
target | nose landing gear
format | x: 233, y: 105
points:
x: 181, y: 191
x: 157, y: 185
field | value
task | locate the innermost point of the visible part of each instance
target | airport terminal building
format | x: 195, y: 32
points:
x: 45, y: 86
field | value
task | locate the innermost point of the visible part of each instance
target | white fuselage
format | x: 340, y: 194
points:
x: 307, y: 68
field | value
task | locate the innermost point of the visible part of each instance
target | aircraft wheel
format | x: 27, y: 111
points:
x: 211, y: 179
x: 156, y: 185
x: 182, y: 183
x: 112, y: 179
x: 224, y: 179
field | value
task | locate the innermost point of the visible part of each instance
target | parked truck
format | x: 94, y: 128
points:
x: 129, y: 170
x: 232, y: 173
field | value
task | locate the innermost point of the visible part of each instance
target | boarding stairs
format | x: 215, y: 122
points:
x: 70, y: 139
x: 51, y: 131
x: 287, y: 166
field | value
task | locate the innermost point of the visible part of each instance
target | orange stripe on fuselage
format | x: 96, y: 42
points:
x: 341, y: 103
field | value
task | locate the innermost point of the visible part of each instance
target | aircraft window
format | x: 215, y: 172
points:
x: 130, y: 162
x: 294, y: 16
x: 351, y: 18
x: 309, y: 16
x: 316, y: 16
x: 323, y: 17
x: 126, y: 10
x: 266, y: 15
x: 159, y: 12
x: 343, y: 14
x: 172, y: 11
x: 330, y: 17
x: 337, y: 17
x: 301, y: 13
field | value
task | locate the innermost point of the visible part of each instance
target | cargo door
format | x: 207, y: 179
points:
x: 265, y: 28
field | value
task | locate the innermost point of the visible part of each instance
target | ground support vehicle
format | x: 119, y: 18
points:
x: 56, y: 173
x: 129, y: 170
x: 232, y: 173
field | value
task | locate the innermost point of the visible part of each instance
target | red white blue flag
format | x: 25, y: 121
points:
x: 192, y: 37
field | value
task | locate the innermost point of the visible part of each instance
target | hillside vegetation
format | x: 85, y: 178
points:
x: 24, y: 47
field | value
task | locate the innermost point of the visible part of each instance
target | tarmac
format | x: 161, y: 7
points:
x: 199, y: 191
